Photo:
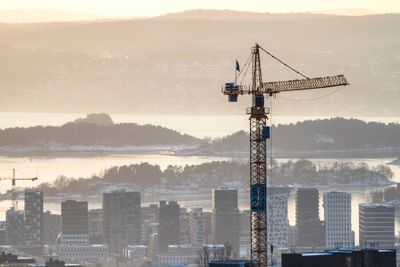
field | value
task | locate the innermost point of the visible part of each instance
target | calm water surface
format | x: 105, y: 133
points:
x: 48, y: 168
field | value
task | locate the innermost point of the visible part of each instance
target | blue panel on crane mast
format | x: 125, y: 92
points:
x: 266, y: 132
x: 258, y: 197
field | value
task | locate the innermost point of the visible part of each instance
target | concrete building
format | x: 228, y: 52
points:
x: 122, y: 222
x: 3, y: 233
x: 74, y: 217
x: 15, y: 227
x: 95, y: 218
x: 153, y: 246
x: 33, y: 217
x: 52, y: 226
x: 169, y: 225
x: 148, y: 228
x: 200, y: 227
x: 184, y: 226
x: 226, y: 217
x: 376, y: 225
x: 245, y: 234
x: 310, y: 230
x: 337, y: 214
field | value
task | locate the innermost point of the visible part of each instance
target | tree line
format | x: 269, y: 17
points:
x: 213, y: 174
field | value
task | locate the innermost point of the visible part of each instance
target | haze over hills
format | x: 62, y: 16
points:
x: 44, y: 15
x: 171, y: 65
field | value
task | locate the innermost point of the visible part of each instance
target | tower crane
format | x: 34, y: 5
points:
x: 13, y: 189
x: 260, y: 132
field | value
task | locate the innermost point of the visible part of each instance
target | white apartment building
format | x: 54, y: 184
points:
x: 337, y: 213
x: 76, y: 248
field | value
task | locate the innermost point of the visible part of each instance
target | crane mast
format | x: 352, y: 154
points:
x: 258, y: 166
x: 259, y: 134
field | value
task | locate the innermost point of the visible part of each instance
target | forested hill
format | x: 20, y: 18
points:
x: 336, y: 134
x: 90, y: 134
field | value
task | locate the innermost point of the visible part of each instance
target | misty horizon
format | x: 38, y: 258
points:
x: 40, y: 15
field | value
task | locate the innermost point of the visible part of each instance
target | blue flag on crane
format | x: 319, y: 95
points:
x: 237, y: 66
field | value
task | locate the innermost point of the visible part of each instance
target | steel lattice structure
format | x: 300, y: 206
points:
x: 259, y: 133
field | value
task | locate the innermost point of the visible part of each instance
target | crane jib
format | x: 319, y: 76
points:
x: 303, y: 84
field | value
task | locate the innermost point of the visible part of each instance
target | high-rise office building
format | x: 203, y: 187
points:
x: 200, y: 227
x: 169, y: 225
x: 122, y: 222
x: 310, y: 230
x: 74, y: 223
x: 376, y: 225
x: 226, y: 217
x: 33, y: 214
x: 15, y: 227
x: 337, y: 214
x: 74, y: 217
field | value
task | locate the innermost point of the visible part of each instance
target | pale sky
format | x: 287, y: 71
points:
x: 158, y: 7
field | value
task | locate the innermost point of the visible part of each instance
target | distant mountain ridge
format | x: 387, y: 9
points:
x: 54, y: 15
x: 177, y: 66
x: 231, y: 15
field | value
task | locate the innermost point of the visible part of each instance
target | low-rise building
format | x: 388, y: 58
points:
x: 178, y: 254
x: 85, y: 253
x: 132, y: 252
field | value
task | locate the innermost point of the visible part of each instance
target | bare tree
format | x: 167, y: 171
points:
x: 203, y: 256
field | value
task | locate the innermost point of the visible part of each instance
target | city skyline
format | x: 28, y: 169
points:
x: 123, y: 110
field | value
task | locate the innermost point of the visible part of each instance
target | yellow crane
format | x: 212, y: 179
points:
x: 13, y: 186
x: 260, y: 132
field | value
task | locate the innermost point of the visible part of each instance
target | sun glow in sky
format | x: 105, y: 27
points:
x: 158, y: 7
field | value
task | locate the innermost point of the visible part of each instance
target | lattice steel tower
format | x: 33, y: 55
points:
x: 260, y: 132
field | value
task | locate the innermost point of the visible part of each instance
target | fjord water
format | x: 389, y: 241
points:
x: 201, y: 126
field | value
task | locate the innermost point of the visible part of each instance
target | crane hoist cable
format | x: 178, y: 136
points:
x: 284, y: 64
x: 245, y: 73
x: 244, y: 68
